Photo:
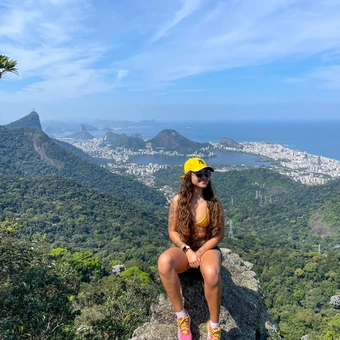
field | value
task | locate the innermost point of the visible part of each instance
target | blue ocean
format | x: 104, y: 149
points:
x: 320, y: 138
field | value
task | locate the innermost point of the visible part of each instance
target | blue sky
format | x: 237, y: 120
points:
x: 171, y: 59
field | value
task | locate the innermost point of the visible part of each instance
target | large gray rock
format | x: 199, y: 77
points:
x: 335, y: 301
x: 243, y: 314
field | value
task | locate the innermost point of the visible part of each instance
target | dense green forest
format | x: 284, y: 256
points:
x: 65, y: 222
x: 51, y: 293
x: 80, y: 218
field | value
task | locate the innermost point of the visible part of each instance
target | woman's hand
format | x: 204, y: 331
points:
x: 193, y: 259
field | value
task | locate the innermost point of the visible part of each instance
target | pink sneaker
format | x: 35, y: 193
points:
x: 213, y: 333
x: 184, y: 332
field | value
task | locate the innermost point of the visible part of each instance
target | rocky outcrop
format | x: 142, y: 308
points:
x: 243, y: 314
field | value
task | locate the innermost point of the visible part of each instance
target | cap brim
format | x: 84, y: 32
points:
x: 206, y: 167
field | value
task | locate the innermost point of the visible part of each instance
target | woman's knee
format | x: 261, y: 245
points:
x: 165, y: 263
x: 211, y: 275
x: 172, y: 259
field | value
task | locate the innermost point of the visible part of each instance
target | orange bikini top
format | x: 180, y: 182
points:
x: 205, y: 221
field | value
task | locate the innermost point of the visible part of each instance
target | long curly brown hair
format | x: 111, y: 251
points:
x: 185, y: 219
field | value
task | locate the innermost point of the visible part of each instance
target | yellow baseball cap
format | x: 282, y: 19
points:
x: 194, y: 165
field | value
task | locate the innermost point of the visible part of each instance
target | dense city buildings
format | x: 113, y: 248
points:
x: 301, y: 166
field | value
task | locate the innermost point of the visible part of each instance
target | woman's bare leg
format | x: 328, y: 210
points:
x: 172, y: 262
x: 211, y: 271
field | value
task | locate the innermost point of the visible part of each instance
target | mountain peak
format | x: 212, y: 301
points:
x: 170, y: 139
x: 82, y: 128
x: 32, y: 120
x: 82, y: 133
x: 122, y: 140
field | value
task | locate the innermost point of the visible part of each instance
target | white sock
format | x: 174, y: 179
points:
x: 214, y: 324
x: 181, y: 313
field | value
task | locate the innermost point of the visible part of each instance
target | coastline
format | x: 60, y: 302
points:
x: 301, y: 166
x: 315, y: 137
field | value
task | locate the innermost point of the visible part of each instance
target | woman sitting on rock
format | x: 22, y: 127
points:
x: 196, y: 227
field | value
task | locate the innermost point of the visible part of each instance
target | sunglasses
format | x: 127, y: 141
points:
x: 199, y: 174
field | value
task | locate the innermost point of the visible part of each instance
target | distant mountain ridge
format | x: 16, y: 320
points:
x: 54, y: 127
x: 167, y: 140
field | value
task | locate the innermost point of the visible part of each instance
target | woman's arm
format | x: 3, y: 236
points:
x: 172, y: 224
x: 193, y: 259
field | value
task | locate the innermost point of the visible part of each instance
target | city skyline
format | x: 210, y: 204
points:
x: 171, y: 60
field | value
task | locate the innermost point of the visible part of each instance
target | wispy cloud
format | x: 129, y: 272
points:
x: 188, y: 7
x: 44, y: 41
x: 243, y: 34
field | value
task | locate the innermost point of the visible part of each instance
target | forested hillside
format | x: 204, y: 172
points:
x: 30, y: 152
x: 80, y: 218
x: 65, y: 223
